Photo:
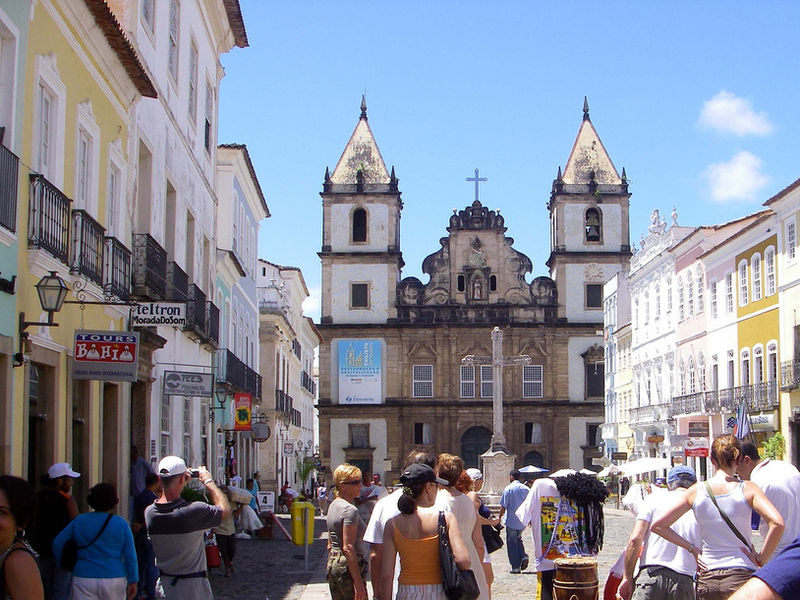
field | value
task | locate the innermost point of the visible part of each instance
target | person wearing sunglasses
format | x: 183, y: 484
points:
x: 346, y: 570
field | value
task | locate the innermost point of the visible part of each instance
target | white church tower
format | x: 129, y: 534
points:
x: 361, y: 258
x: 589, y: 232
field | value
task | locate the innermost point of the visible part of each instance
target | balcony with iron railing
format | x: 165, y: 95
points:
x: 117, y: 276
x: 653, y: 413
x: 9, y: 173
x: 177, y: 283
x: 196, y: 311
x: 212, y: 320
x: 48, y: 218
x: 87, y: 245
x: 790, y: 375
x: 757, y: 397
x: 308, y: 383
x: 283, y: 402
x: 149, y: 267
x: 236, y: 374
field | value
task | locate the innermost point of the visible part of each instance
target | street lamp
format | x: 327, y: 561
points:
x: 52, y: 292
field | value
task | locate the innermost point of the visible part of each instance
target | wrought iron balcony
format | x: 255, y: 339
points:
x: 48, y: 218
x: 689, y: 404
x: 212, y: 318
x: 117, y: 277
x: 757, y: 397
x: 87, y: 244
x: 308, y: 383
x: 196, y: 311
x: 177, y: 283
x: 655, y: 413
x: 149, y: 267
x: 9, y: 173
x: 283, y: 402
x: 236, y: 374
x: 790, y: 375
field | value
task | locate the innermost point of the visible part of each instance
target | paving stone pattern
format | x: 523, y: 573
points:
x: 273, y: 569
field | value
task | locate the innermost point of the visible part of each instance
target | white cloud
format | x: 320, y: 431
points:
x: 729, y: 113
x: 313, y: 304
x: 740, y: 178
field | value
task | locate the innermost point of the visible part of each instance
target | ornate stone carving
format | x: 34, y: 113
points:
x: 476, y: 217
x: 594, y: 272
x: 544, y: 291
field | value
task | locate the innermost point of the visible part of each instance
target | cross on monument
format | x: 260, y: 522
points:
x: 498, y: 361
x: 477, y: 181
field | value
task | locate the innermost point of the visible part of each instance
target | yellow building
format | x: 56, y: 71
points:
x: 81, y: 84
x: 758, y: 325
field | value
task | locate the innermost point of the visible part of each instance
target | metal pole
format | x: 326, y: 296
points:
x: 305, y: 538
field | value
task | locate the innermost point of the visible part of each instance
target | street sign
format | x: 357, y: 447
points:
x: 619, y: 456
x: 180, y: 383
x: 260, y: 432
x: 105, y: 355
x: 159, y: 313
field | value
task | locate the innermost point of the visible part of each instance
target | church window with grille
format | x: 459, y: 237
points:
x: 487, y: 381
x: 422, y: 381
x: 467, y: 381
x: 359, y: 225
x: 532, y: 381
x: 593, y: 225
x: 594, y: 295
x: 359, y: 295
x: 359, y: 435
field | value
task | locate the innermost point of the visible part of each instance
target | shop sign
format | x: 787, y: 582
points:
x: 260, y: 432
x: 763, y: 422
x: 619, y: 456
x: 360, y: 372
x: 147, y: 314
x: 698, y: 429
x: 696, y: 447
x: 242, y: 411
x: 655, y: 439
x: 179, y: 383
x: 288, y: 448
x: 105, y: 355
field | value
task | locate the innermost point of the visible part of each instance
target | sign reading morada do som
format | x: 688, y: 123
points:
x: 159, y: 313
x: 360, y: 372
x: 105, y: 355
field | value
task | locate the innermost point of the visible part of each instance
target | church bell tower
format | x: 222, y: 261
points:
x: 361, y: 258
x: 589, y: 229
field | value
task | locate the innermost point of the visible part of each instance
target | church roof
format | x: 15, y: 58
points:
x: 588, y: 154
x: 361, y: 154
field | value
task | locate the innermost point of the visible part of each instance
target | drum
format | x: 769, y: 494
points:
x: 575, y: 579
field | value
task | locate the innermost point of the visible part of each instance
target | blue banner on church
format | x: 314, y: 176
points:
x: 360, y: 372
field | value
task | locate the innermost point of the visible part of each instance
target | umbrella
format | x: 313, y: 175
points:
x: 644, y: 465
x: 562, y: 473
x: 609, y: 471
x: 587, y: 472
x: 532, y: 469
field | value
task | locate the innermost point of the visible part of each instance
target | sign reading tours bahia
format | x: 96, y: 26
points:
x: 105, y: 355
x: 360, y: 371
x: 159, y: 313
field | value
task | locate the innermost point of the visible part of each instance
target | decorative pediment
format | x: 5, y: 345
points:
x: 594, y: 354
x: 477, y: 348
x: 476, y: 217
x: 533, y: 348
x: 421, y: 349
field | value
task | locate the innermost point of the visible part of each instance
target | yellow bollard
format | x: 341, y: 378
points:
x: 299, y: 512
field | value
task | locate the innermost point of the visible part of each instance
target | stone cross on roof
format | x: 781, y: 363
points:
x: 477, y: 181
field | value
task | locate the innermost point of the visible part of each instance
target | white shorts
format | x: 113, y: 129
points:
x: 420, y: 592
x: 94, y: 588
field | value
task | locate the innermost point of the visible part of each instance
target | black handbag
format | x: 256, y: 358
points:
x: 69, y: 554
x: 458, y: 584
x: 491, y: 537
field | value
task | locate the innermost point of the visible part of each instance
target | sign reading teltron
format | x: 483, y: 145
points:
x: 105, y: 355
x: 178, y: 383
x: 159, y: 313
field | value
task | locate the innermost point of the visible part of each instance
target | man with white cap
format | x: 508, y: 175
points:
x: 56, y: 509
x: 176, y: 530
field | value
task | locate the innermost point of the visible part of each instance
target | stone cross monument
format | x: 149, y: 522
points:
x: 497, y: 462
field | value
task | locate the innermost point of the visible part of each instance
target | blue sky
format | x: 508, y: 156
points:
x: 698, y: 101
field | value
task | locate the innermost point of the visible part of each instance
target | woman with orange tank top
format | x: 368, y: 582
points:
x: 413, y: 535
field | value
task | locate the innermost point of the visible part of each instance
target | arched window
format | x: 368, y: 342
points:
x: 743, y: 300
x: 755, y: 273
x: 593, y: 225
x: 493, y: 283
x: 689, y: 294
x: 359, y: 225
x: 682, y: 376
x: 680, y: 299
x: 744, y: 376
x: 769, y: 268
x: 758, y: 364
x: 701, y: 373
x: 692, y: 376
x: 699, y: 290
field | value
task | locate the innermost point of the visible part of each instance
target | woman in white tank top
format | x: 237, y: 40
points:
x: 724, y: 562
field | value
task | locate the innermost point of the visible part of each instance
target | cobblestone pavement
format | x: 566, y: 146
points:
x: 273, y: 569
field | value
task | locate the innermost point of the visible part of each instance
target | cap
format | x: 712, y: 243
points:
x: 376, y: 477
x: 681, y: 472
x: 171, y: 465
x: 474, y: 474
x: 61, y: 470
x: 419, y: 474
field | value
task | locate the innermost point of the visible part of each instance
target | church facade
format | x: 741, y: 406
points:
x: 391, y: 377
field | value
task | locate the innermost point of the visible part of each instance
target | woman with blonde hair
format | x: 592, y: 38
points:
x: 449, y: 499
x: 723, y: 506
x: 346, y: 570
x: 414, y: 536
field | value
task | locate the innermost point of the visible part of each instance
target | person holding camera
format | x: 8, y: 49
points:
x: 176, y: 530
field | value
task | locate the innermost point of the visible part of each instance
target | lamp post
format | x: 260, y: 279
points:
x: 282, y: 422
x: 52, y: 292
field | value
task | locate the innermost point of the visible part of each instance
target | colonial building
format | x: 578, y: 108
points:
x: 391, y: 376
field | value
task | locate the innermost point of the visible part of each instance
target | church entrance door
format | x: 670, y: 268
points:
x: 533, y: 458
x: 474, y: 442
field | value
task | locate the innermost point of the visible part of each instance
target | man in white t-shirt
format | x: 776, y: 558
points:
x: 385, y: 509
x: 665, y: 570
x: 780, y: 482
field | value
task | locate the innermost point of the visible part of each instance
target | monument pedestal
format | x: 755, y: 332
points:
x: 497, y: 464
